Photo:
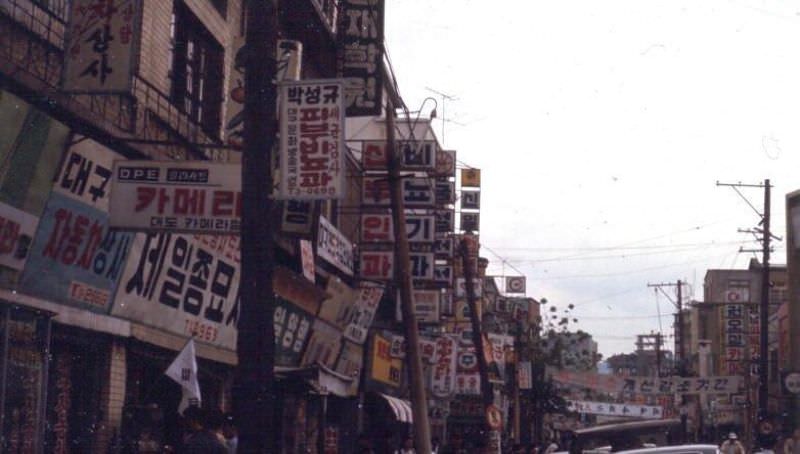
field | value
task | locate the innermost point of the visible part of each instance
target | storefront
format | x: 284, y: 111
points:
x: 24, y: 337
x: 78, y: 362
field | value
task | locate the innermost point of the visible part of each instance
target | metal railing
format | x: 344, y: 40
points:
x: 32, y: 45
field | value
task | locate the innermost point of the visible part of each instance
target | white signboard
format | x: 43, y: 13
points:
x: 417, y: 155
x: 364, y: 308
x: 17, y: 229
x: 312, y: 140
x: 418, y: 192
x: 614, y: 409
x: 461, y: 287
x: 176, y: 196
x: 515, y: 284
x: 188, y: 285
x: 443, y: 373
x: 379, y: 265
x: 426, y: 305
x: 334, y: 247
x: 379, y: 228
x: 101, y: 47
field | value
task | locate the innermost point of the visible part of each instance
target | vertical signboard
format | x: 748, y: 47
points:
x: 443, y: 373
x: 312, y: 140
x: 101, y: 47
x: 364, y: 308
x: 75, y: 258
x: 360, y: 45
x: 385, y: 369
x: 334, y: 247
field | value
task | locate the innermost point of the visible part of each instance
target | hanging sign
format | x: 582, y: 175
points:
x: 176, y: 196
x: 615, y: 409
x: 426, y: 306
x: 444, y: 221
x: 307, y: 259
x: 312, y: 133
x: 334, y: 247
x: 443, y: 273
x: 323, y: 345
x: 360, y: 45
x: 461, y: 287
x: 364, y: 309
x: 445, y: 192
x: 292, y: 329
x: 337, y: 308
x: 471, y: 178
x: 515, y: 284
x: 445, y: 163
x: 443, y: 373
x: 379, y: 265
x: 384, y: 368
x: 470, y: 200
x: 17, y: 229
x: 374, y: 155
x: 417, y: 155
x: 297, y: 216
x: 377, y: 228
x: 442, y: 246
x: 417, y: 192
x: 102, y: 46
x: 470, y: 222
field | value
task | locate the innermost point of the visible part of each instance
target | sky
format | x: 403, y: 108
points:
x: 601, y: 129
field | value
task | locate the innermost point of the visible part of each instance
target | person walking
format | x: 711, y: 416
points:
x: 407, y: 448
x: 732, y: 445
x: 207, y: 440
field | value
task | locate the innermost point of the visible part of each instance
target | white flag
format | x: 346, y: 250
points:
x: 184, y: 371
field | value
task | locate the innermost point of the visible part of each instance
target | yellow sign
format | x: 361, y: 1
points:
x: 471, y: 178
x: 385, y: 369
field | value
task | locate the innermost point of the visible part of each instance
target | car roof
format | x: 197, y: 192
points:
x: 679, y: 449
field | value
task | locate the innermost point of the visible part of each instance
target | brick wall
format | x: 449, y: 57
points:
x: 156, y: 47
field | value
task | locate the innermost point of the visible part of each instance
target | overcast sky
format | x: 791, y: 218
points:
x: 601, y: 128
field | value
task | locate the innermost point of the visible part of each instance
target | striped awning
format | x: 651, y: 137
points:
x: 400, y: 407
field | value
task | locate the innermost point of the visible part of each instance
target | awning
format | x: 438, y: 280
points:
x: 321, y: 379
x: 400, y: 407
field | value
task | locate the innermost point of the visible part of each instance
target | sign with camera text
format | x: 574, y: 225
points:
x: 360, y: 45
x: 176, y: 196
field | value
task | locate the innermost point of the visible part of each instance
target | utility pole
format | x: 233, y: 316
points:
x: 763, y: 357
x: 477, y: 334
x: 419, y: 403
x: 765, y: 236
x: 679, y: 344
x: 254, y: 393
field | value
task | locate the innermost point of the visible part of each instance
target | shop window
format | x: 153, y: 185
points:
x: 197, y: 70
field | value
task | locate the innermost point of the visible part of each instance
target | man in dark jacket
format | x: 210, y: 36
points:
x: 207, y: 439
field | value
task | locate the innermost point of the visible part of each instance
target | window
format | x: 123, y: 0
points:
x: 197, y: 74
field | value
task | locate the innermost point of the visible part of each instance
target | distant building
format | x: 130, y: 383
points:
x: 573, y: 351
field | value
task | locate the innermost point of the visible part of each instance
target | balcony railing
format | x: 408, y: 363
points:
x: 31, y: 52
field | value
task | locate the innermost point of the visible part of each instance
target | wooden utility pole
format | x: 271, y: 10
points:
x: 679, y: 345
x: 763, y: 356
x: 419, y: 403
x: 766, y: 238
x: 477, y: 334
x: 254, y: 393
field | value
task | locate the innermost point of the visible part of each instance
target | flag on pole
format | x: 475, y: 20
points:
x: 183, y: 371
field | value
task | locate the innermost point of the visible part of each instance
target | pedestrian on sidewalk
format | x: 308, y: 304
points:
x: 732, y: 445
